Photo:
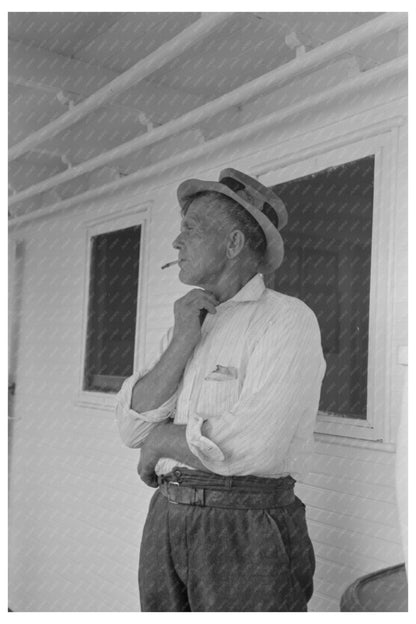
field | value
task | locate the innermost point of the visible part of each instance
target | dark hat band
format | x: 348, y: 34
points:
x: 240, y: 189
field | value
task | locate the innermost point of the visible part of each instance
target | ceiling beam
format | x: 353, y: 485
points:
x: 311, y: 60
x: 69, y: 98
x: 25, y: 172
x: 45, y: 71
x: 357, y: 83
x: 160, y: 57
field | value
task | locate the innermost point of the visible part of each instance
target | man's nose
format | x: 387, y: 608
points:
x: 177, y: 242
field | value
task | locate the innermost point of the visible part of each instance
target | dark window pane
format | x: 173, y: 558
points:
x: 112, y: 309
x: 327, y: 265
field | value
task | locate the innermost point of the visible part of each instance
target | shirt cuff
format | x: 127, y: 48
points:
x: 124, y: 398
x: 201, y: 446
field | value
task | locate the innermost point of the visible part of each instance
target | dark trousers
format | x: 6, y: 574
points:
x: 213, y: 543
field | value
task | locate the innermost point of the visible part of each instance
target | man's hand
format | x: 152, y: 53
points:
x: 146, y: 466
x: 150, y: 453
x: 159, y: 384
x: 187, y: 310
x: 165, y: 440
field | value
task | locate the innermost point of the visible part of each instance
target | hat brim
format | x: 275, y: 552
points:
x: 275, y: 249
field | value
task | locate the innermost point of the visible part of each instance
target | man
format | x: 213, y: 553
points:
x: 225, y: 417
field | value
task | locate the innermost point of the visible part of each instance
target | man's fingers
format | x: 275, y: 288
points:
x: 207, y: 303
x: 150, y: 478
x: 209, y: 307
x: 198, y: 295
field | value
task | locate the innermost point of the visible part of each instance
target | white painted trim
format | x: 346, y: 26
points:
x: 343, y: 440
x: 297, y: 155
x: 358, y: 82
x: 311, y: 60
x: 13, y: 264
x: 146, y: 66
x: 16, y: 268
x: 380, y: 140
x: 402, y: 356
x: 136, y: 215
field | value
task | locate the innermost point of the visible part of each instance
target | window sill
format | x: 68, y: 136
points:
x: 96, y: 400
x: 350, y: 432
x: 342, y: 440
x: 332, y: 424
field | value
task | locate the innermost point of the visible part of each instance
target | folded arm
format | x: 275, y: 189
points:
x: 165, y: 440
x: 281, y: 389
x: 148, y: 397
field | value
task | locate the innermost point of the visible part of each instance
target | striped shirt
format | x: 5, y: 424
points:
x: 250, y: 392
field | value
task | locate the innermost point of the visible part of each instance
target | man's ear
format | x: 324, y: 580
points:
x: 235, y: 243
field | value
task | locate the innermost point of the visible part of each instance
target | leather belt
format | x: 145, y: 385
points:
x: 183, y: 487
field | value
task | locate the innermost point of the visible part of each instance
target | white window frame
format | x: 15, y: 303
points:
x: 137, y: 215
x: 381, y: 141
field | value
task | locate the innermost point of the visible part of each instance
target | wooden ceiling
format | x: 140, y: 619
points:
x: 59, y: 60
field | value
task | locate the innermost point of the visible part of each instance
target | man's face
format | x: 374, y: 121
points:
x: 202, y: 244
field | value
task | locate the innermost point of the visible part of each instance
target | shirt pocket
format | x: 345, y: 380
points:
x: 217, y: 396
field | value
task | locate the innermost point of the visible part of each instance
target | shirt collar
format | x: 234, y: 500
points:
x: 251, y: 291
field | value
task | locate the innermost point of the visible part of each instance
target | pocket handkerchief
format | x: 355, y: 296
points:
x: 223, y: 373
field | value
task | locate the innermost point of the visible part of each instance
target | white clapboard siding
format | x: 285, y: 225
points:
x: 354, y: 506
x: 321, y: 603
x: 341, y: 466
x: 362, y: 527
x: 356, y: 487
x: 343, y: 548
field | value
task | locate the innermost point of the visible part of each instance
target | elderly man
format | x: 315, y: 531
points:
x: 225, y: 416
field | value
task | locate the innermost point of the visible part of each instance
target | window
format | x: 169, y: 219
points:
x: 341, y: 260
x: 112, y: 309
x: 328, y: 264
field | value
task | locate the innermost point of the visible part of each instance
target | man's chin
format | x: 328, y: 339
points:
x: 187, y: 278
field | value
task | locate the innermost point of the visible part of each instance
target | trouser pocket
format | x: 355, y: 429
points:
x: 291, y: 524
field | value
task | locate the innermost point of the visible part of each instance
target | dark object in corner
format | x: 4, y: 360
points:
x: 384, y: 590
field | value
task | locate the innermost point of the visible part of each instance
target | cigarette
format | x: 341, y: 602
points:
x: 168, y: 264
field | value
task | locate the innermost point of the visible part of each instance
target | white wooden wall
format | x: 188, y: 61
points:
x: 77, y: 507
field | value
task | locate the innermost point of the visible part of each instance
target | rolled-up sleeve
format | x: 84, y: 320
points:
x: 280, y: 393
x: 134, y: 427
